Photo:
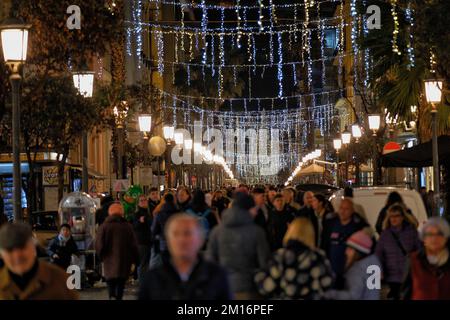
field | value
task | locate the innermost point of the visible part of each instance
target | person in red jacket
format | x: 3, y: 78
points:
x: 428, y: 275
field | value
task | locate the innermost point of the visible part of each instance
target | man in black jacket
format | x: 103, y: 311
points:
x: 185, y: 275
x: 153, y: 199
x: 142, y: 224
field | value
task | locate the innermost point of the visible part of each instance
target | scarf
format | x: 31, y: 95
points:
x: 440, y: 259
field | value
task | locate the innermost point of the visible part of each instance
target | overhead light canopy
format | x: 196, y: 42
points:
x: 433, y: 91
x: 14, y: 36
x: 84, y: 83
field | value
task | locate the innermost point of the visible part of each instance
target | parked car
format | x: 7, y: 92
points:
x: 370, y: 200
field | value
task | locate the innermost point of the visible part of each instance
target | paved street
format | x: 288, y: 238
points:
x: 101, y: 292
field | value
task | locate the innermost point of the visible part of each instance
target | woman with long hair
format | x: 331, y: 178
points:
x: 298, y: 270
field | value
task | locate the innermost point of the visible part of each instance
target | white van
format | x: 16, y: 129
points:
x: 369, y: 202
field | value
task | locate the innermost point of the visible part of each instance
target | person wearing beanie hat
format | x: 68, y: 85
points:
x: 24, y: 277
x: 358, y: 260
x: 239, y: 245
x: 428, y: 276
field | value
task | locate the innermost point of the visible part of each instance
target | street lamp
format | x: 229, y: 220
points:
x: 346, y: 136
x: 145, y: 124
x: 337, y: 144
x: 374, y: 123
x: 356, y: 131
x: 84, y: 83
x: 433, y: 92
x: 14, y: 39
x: 168, y: 132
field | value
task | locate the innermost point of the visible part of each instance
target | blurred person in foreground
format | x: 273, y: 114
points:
x: 358, y: 260
x: 298, y: 270
x: 185, y: 275
x: 428, y: 269
x: 240, y: 246
x: 117, y: 247
x: 24, y: 277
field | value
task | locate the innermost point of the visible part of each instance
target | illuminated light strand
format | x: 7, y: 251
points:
x: 232, y: 30
x: 160, y: 49
x: 395, y: 32
x: 195, y: 5
x: 410, y: 43
x: 280, y: 66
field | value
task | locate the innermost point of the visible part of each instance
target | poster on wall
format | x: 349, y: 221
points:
x: 50, y: 176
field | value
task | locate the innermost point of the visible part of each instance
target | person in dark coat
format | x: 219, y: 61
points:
x: 153, y: 199
x: 102, y: 212
x: 398, y: 239
x: 393, y: 197
x: 183, y: 198
x: 307, y: 211
x: 322, y: 209
x: 289, y: 199
x: 142, y: 224
x: 185, y: 275
x: 262, y: 210
x: 240, y: 246
x: 428, y: 269
x: 277, y: 225
x: 219, y: 202
x: 336, y: 231
x: 168, y: 209
x: 117, y: 247
x: 61, y: 248
x: 202, y: 211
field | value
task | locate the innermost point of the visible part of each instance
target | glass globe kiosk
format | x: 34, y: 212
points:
x: 78, y: 209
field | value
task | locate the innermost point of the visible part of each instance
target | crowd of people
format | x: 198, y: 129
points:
x: 245, y: 243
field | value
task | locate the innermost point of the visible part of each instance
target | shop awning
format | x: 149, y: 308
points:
x: 418, y: 156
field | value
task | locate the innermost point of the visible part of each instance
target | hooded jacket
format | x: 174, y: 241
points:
x: 240, y: 246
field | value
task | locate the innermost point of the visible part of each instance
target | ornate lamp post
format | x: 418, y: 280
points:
x: 168, y: 132
x: 14, y: 38
x: 337, y: 144
x: 433, y: 92
x: 84, y: 83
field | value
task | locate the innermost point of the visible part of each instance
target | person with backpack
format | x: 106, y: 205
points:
x: 202, y: 211
x: 398, y: 239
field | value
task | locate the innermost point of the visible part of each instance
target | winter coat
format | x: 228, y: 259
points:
x: 240, y: 246
x: 295, y: 272
x: 334, y: 237
x: 64, y: 252
x: 49, y: 283
x: 207, y: 281
x: 117, y: 247
x: 424, y: 281
x: 277, y: 226
x: 206, y: 218
x: 159, y: 223
x: 391, y: 256
x: 356, y: 284
x: 143, y: 229
x: 152, y: 205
